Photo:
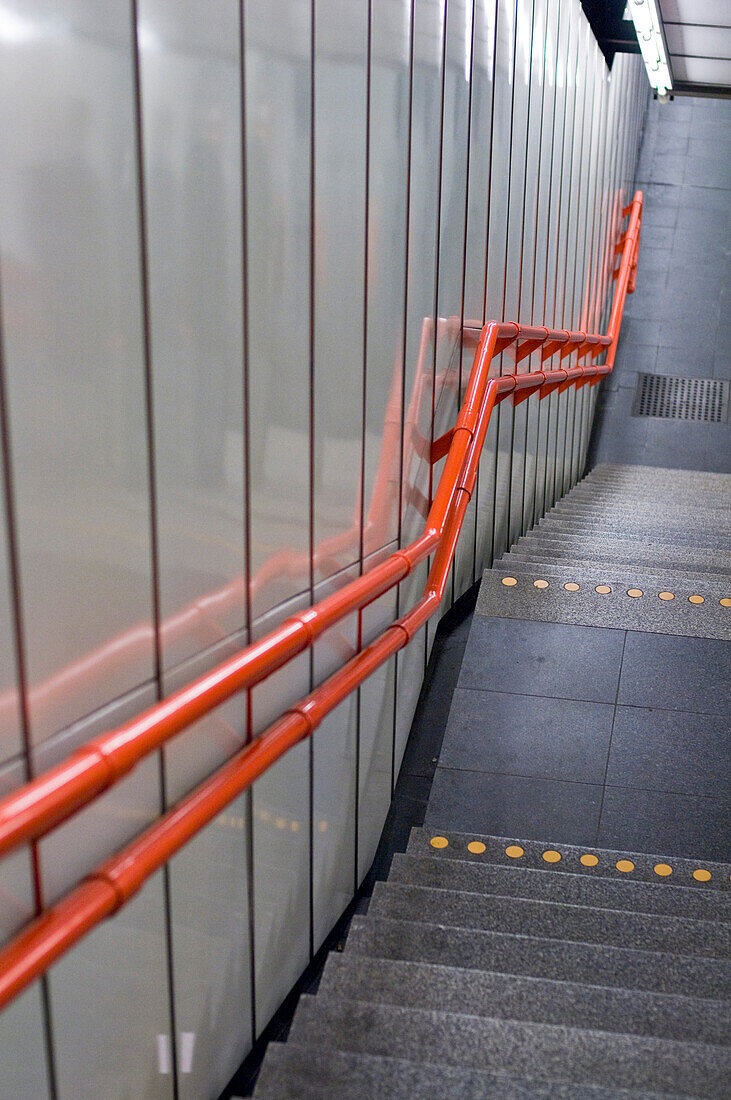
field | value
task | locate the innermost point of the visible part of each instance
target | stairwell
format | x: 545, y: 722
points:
x: 499, y: 966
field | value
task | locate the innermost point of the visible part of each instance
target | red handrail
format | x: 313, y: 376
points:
x: 40, y: 805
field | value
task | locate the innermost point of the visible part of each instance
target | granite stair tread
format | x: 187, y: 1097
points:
x: 703, y: 616
x: 545, y: 1051
x: 569, y: 889
x: 563, y: 960
x: 293, y: 1071
x: 552, y: 920
x: 507, y: 996
x: 532, y: 853
x: 662, y: 578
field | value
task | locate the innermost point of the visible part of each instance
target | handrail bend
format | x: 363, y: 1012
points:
x: 36, y: 808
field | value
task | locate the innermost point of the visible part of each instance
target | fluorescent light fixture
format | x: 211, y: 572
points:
x: 648, y: 26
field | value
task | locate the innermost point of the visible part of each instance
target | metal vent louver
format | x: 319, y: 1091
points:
x: 681, y: 398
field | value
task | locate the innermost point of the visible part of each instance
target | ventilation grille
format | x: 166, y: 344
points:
x: 681, y: 398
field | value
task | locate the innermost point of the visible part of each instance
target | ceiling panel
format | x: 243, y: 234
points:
x: 699, y: 41
x: 712, y: 13
x: 698, y: 34
x: 701, y: 70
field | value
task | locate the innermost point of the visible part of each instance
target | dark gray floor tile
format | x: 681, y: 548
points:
x: 675, y: 673
x: 656, y: 821
x: 525, y: 735
x: 506, y: 805
x: 553, y: 659
x: 664, y: 750
x: 710, y: 172
x: 668, y: 168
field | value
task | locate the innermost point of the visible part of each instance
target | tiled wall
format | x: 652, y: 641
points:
x: 238, y: 241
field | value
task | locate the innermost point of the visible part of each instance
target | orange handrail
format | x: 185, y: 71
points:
x: 40, y: 805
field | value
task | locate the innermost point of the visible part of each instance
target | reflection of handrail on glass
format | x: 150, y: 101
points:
x: 203, y: 616
x: 36, y: 808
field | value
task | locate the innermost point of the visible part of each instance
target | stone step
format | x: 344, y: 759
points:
x: 584, y: 963
x: 507, y: 996
x: 617, y: 609
x: 673, y: 570
x: 568, y: 889
x: 708, y: 561
x: 530, y: 853
x: 663, y: 581
x: 541, y: 1051
x: 297, y: 1072
x: 552, y: 920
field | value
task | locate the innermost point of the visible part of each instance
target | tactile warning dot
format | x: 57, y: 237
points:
x: 696, y: 599
x: 514, y: 851
x: 603, y: 589
x: 663, y: 869
x: 540, y: 584
x: 551, y: 856
x: 725, y: 602
x: 666, y: 595
x: 624, y: 865
x: 572, y: 586
x: 701, y: 874
x: 635, y: 592
x: 476, y: 847
x: 439, y: 842
x: 510, y: 582
x: 588, y: 860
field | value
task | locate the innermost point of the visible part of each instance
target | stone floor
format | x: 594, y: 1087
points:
x: 678, y: 321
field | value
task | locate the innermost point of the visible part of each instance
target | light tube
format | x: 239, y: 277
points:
x: 646, y: 19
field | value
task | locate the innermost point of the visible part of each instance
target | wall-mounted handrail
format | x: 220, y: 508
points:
x: 52, y: 798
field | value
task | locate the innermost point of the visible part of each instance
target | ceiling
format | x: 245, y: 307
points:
x: 697, y: 33
x: 698, y: 36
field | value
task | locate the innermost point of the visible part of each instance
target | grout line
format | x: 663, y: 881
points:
x: 609, y: 747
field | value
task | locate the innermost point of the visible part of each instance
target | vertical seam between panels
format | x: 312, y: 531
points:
x: 558, y: 241
x: 16, y: 610
x: 437, y: 261
x: 407, y: 232
x: 525, y: 404
x: 152, y: 485
x: 505, y: 274
x: 247, y: 695
x: 582, y: 184
x: 535, y: 258
x: 483, y: 564
x: 554, y: 206
x: 364, y: 406
x: 464, y: 255
x: 311, y: 532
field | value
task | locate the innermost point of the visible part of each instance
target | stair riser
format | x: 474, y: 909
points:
x: 566, y: 889
x: 505, y: 996
x: 532, y: 1050
x: 549, y: 920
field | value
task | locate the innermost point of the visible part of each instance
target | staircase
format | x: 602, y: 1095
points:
x: 502, y: 967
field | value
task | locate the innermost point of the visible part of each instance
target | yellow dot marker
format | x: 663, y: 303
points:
x: 510, y: 582
x: 439, y: 842
x: 571, y: 586
x: 540, y: 584
x: 476, y: 847
x: 663, y: 869
x: 552, y: 857
x: 635, y: 593
x: 624, y: 865
x: 666, y: 595
x: 696, y: 599
x: 514, y: 851
x: 588, y: 860
x: 603, y: 589
x: 701, y: 874
x: 725, y: 602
